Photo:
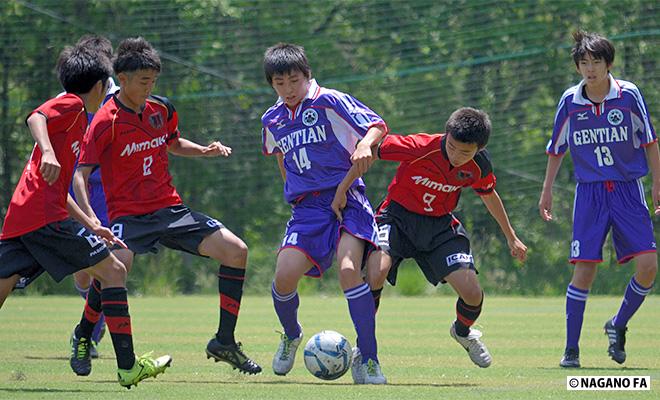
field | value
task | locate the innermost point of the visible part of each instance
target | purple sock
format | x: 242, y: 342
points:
x: 576, y: 299
x: 286, y: 307
x: 363, y: 313
x: 632, y: 300
x: 96, y: 333
x: 82, y: 292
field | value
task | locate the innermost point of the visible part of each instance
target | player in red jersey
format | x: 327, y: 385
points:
x: 130, y: 138
x: 38, y: 233
x: 416, y: 220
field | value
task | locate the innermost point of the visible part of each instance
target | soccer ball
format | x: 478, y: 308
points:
x: 328, y: 355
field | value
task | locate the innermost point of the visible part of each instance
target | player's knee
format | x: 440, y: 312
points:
x: 112, y: 273
x: 647, y: 271
x: 472, y: 296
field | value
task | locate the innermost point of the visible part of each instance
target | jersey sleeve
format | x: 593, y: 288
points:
x: 269, y: 146
x: 402, y: 148
x: 487, y: 180
x: 61, y: 112
x: 558, y: 143
x: 641, y: 120
x: 360, y: 117
x: 172, y: 122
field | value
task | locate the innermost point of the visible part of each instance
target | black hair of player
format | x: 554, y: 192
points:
x: 598, y: 46
x: 96, y: 43
x: 136, y: 54
x: 469, y: 125
x: 79, y: 69
x: 285, y: 58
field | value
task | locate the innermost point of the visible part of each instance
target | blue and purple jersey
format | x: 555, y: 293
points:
x: 606, y: 140
x: 317, y: 138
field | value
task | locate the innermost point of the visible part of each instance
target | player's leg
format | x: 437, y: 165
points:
x: 82, y: 282
x: 378, y: 266
x: 577, y: 292
x: 6, y: 286
x: 292, y: 264
x: 231, y: 252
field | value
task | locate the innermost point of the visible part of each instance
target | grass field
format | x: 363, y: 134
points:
x: 420, y: 360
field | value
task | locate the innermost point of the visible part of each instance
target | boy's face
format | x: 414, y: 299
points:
x: 292, y: 87
x: 137, y: 86
x: 459, y: 152
x: 593, y: 70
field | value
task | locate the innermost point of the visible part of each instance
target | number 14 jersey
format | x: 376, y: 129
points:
x: 131, y: 150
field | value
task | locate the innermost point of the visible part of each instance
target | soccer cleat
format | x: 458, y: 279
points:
x: 93, y: 351
x: 286, y: 354
x: 617, y: 339
x: 356, y: 366
x: 474, y: 346
x: 571, y: 359
x: 144, y: 367
x: 232, y: 355
x: 80, y: 361
x: 371, y: 374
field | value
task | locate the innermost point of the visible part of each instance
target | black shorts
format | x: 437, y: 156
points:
x: 177, y: 227
x: 439, y: 245
x: 60, y: 248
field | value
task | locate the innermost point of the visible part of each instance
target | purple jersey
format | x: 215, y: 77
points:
x: 317, y: 138
x: 606, y: 139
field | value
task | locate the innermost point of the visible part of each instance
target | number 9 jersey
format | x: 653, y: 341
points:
x: 131, y: 150
x: 607, y: 139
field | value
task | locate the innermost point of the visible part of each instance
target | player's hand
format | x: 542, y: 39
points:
x: 545, y: 205
x: 49, y: 167
x: 216, y: 149
x: 339, y: 203
x: 362, y: 157
x: 656, y: 198
x: 107, y: 235
x: 518, y: 250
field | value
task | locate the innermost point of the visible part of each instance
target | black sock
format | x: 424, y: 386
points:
x: 230, y: 287
x: 465, y: 316
x: 376, y: 294
x: 115, y: 307
x: 92, y: 312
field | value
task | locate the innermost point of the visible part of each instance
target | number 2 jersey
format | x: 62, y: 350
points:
x: 317, y: 138
x: 606, y: 140
x: 131, y: 150
x: 425, y: 182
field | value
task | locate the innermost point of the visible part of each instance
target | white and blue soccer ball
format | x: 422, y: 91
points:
x: 328, y: 355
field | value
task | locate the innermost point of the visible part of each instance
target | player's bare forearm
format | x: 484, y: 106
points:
x: 495, y: 207
x: 653, y: 159
x: 280, y: 165
x: 76, y: 213
x: 79, y: 184
x: 187, y: 148
x: 50, y: 166
x: 363, y: 155
x: 545, y: 202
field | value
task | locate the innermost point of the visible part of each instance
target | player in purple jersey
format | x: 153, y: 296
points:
x: 605, y: 124
x: 317, y: 134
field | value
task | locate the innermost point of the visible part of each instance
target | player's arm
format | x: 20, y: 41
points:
x: 545, y: 202
x: 653, y: 158
x: 363, y: 154
x: 49, y: 166
x: 80, y: 185
x: 495, y: 207
x: 280, y: 165
x: 339, y: 202
x: 94, y: 226
x: 187, y: 148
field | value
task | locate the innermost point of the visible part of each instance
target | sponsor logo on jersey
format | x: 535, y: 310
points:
x: 142, y: 146
x: 459, y: 258
x: 280, y: 124
x: 424, y: 181
x: 156, y: 120
x: 615, y: 116
x: 310, y: 117
x: 610, y: 134
x: 313, y: 134
x: 583, y: 116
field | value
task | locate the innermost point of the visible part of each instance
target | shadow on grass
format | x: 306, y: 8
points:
x: 321, y: 383
x: 51, y: 390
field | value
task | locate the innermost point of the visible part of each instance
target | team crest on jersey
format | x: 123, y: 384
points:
x: 309, y: 117
x: 615, y: 116
x: 156, y: 120
x: 462, y: 175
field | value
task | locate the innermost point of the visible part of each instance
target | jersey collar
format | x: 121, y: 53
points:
x: 614, y: 93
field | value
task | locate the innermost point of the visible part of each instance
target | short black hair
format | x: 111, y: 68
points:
x: 469, y: 125
x: 598, y: 46
x: 96, y: 43
x: 79, y: 69
x: 285, y: 58
x: 135, y: 54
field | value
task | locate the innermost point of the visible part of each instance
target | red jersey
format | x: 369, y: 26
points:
x: 425, y: 182
x: 131, y: 150
x: 35, y: 203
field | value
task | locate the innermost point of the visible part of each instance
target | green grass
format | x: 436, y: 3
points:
x: 420, y: 360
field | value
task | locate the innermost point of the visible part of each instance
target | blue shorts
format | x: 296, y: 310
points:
x: 315, y: 231
x: 619, y: 205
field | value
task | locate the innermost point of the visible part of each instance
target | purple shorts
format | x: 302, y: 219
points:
x: 314, y: 229
x: 619, y: 205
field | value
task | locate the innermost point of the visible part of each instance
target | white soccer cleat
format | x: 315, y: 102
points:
x: 474, y: 346
x: 356, y: 366
x: 372, y: 374
x: 286, y: 354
